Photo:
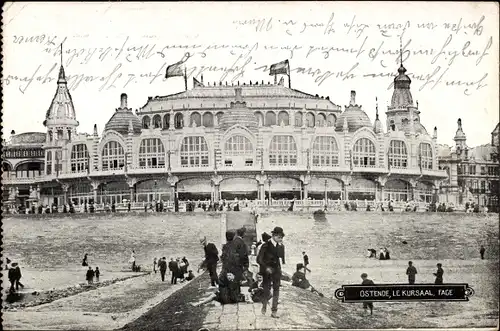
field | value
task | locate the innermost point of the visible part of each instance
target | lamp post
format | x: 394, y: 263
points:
x: 326, y: 192
x: 270, y: 198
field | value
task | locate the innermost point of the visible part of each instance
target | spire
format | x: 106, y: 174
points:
x: 61, y: 110
x: 376, y: 108
x: 401, y: 50
x: 62, y: 75
x: 377, y: 125
x: 435, y: 135
x: 95, y: 130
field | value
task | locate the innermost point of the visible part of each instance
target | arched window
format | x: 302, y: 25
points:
x: 270, y: 118
x: 283, y: 151
x: 310, y: 120
x: 363, y: 153
x: 146, y: 122
x: 325, y: 151
x: 398, y: 157
x: 79, y: 158
x: 208, y: 120
x: 283, y: 118
x: 194, y: 152
x: 113, y: 156
x: 151, y: 153
x: 157, y: 121
x: 166, y: 122
x: 331, y: 120
x: 425, y: 156
x: 260, y: 118
x: 320, y: 120
x: 179, y: 121
x: 49, y: 163
x: 195, y: 118
x: 238, y: 145
x: 298, y: 119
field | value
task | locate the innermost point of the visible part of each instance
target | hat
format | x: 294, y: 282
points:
x: 300, y: 266
x: 278, y: 231
x: 14, y: 264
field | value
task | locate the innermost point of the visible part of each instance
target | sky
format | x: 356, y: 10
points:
x: 449, y: 49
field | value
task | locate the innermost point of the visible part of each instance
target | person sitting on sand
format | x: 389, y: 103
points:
x: 190, y: 275
x: 387, y: 255
x: 381, y: 254
x: 373, y: 253
x: 299, y: 280
x: 257, y: 291
x: 229, y: 291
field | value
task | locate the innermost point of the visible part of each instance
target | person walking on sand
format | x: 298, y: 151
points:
x: 154, y: 265
x: 162, y: 265
x: 12, y: 277
x: 481, y: 251
x: 411, y: 272
x: 97, y: 274
x: 439, y: 274
x: 367, y: 282
x: 270, y: 267
x: 90, y: 276
x: 132, y: 260
x: 306, y: 260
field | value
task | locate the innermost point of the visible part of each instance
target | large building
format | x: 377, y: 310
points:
x: 473, y: 173
x: 248, y: 141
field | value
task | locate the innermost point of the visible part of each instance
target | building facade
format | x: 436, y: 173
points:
x: 473, y: 172
x: 251, y: 141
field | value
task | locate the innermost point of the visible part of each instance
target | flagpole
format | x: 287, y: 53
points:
x: 185, y: 78
x: 275, y: 79
x: 289, y: 79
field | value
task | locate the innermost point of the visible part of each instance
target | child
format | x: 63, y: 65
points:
x: 97, y: 273
x: 257, y: 291
x: 229, y: 291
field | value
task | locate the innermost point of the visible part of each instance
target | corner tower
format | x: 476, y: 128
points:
x: 61, y: 124
x: 402, y: 114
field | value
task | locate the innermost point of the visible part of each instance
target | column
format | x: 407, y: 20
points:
x: 261, y: 179
x: 306, y: 179
x: 65, y: 188
x: 382, y: 192
x: 269, y: 183
x: 95, y: 187
x: 326, y: 192
x: 173, y: 187
x: 216, y: 179
x: 306, y: 193
x: 131, y: 186
x: 346, y: 192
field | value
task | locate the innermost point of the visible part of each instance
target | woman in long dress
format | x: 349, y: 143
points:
x: 132, y: 260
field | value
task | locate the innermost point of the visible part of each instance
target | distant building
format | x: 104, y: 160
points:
x: 250, y: 141
x: 473, y: 172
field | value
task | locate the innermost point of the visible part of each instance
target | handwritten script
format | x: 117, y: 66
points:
x: 335, y: 48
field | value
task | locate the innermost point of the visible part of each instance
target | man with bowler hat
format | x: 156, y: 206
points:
x: 270, y: 268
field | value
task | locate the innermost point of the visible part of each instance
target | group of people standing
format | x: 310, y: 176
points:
x: 177, y: 268
x: 90, y: 274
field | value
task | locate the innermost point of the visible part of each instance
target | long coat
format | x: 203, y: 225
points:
x: 269, y: 257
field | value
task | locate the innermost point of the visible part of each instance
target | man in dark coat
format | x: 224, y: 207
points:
x: 270, y: 268
x: 368, y: 282
x: 174, y: 268
x: 481, y: 251
x: 230, y: 257
x: 242, y: 250
x: 162, y: 264
x: 12, y: 277
x: 439, y: 274
x: 411, y: 272
x: 306, y: 259
x: 211, y: 259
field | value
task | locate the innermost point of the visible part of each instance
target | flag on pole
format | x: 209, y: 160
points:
x: 282, y: 81
x: 197, y: 83
x: 177, y: 68
x: 282, y: 67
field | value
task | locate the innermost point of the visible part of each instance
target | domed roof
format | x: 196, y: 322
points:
x: 356, y: 119
x: 238, y: 114
x: 402, y: 76
x: 28, y: 138
x: 120, y: 121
